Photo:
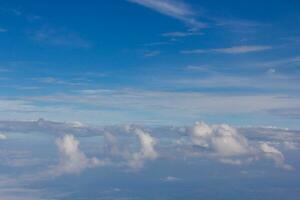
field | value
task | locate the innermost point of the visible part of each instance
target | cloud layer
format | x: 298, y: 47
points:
x: 131, y: 147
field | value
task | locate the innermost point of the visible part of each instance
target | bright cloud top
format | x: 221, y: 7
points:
x: 2, y: 136
x: 73, y: 160
x: 223, y: 139
x: 147, y: 150
x: 275, y: 155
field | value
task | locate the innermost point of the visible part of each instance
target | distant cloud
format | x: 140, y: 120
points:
x: 170, y: 179
x: 290, y: 112
x: 2, y: 136
x: 175, y: 9
x: 271, y: 71
x: 59, y: 37
x: 2, y: 30
x: 230, y: 50
x: 281, y: 62
x: 237, y: 25
x: 151, y: 53
x: 58, y: 81
x: 275, y: 155
x: 180, y: 34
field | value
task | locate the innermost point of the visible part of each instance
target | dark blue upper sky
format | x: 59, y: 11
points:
x: 151, y: 61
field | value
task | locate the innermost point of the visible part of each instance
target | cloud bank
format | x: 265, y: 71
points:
x: 133, y: 146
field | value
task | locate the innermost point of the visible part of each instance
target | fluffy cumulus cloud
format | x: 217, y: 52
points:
x: 73, y: 160
x: 233, y: 147
x: 274, y: 154
x: 222, y: 139
x: 146, y: 151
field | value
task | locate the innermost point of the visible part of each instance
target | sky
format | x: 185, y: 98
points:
x: 151, y: 62
x: 149, y: 99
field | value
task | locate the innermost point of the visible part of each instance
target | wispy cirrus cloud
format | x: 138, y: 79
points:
x: 180, y: 34
x: 148, y: 54
x: 237, y: 25
x: 58, y: 37
x: 230, y: 50
x: 2, y: 30
x: 172, y: 8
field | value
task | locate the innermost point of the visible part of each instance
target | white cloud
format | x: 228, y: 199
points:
x: 230, y: 50
x: 2, y: 136
x: 222, y: 139
x: 274, y: 154
x: 73, y: 160
x: 175, y: 9
x: 170, y: 179
x: 147, y: 149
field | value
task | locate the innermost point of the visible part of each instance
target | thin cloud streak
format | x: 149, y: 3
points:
x: 175, y: 9
x: 230, y: 50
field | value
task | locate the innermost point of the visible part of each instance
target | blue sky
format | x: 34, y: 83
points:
x: 151, y: 62
x: 149, y: 99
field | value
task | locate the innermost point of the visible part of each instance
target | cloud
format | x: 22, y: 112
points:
x: 17, y: 188
x: 213, y: 95
x: 73, y: 160
x: 180, y: 34
x: 238, y: 25
x: 49, y: 127
x: 3, y: 30
x: 151, y: 54
x: 132, y: 146
x: 170, y: 179
x: 232, y: 147
x: 291, y: 145
x: 274, y: 154
x: 292, y: 112
x: 230, y: 50
x: 175, y: 9
x: 2, y: 136
x: 147, y: 149
x: 57, y: 81
x: 222, y: 139
x: 58, y: 37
